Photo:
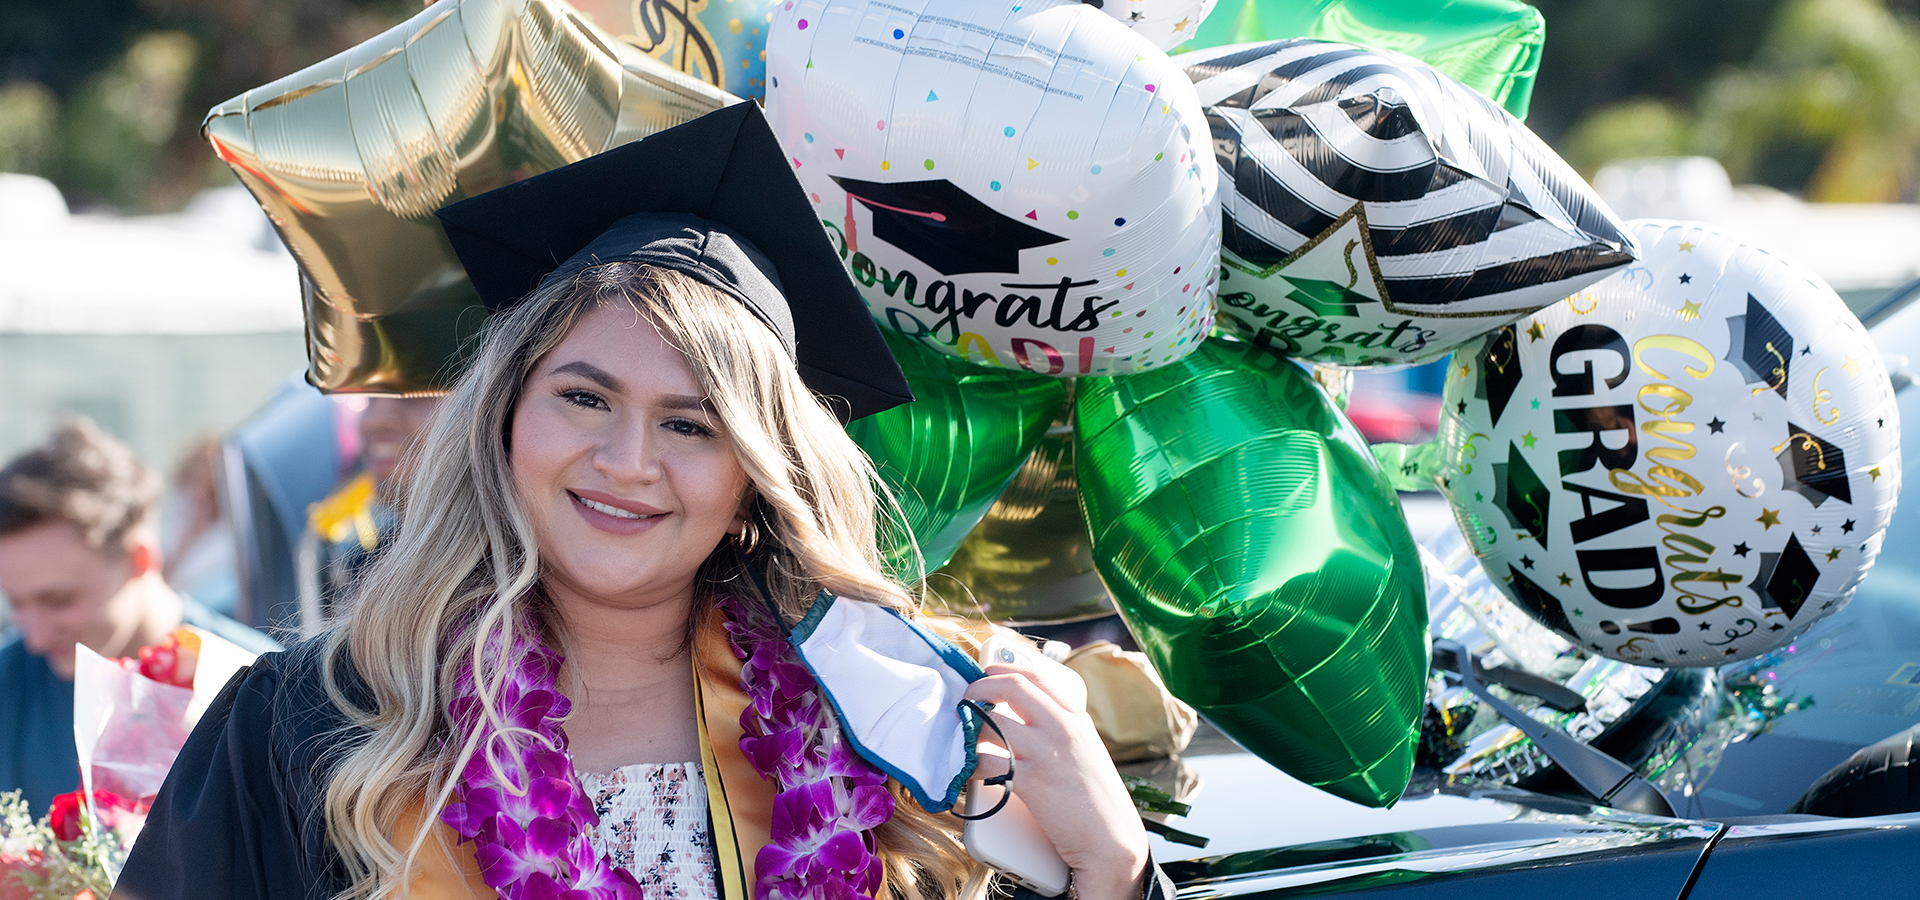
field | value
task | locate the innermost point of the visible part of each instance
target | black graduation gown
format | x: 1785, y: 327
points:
x: 240, y: 813
x: 240, y: 817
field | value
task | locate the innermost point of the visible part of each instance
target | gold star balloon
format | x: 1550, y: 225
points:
x: 350, y: 157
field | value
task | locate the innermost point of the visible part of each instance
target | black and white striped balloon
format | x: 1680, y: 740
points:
x: 1382, y: 212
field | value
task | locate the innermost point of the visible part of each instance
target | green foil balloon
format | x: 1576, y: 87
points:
x: 949, y: 453
x: 1492, y: 46
x: 1262, y: 561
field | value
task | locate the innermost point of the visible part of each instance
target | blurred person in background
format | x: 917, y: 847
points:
x: 80, y: 563
x: 195, y: 539
x: 347, y: 530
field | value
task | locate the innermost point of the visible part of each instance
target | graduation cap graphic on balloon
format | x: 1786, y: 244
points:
x: 1760, y: 347
x: 1326, y: 298
x: 1786, y: 578
x: 1813, y: 468
x: 944, y: 226
x: 1544, y: 606
x: 1521, y: 496
x: 1499, y: 363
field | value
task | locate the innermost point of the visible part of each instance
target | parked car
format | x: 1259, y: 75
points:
x: 1732, y: 749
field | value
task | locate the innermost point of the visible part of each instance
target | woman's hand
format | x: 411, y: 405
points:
x: 1064, y: 775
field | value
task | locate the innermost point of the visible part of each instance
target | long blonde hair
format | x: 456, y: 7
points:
x: 465, y: 568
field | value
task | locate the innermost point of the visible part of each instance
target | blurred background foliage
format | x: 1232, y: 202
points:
x: 1816, y: 97
x: 105, y: 97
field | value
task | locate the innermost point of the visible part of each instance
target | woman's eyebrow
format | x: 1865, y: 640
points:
x: 683, y: 401
x: 592, y: 373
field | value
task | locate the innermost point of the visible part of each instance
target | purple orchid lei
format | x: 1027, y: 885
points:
x: 519, y: 801
x: 829, y: 800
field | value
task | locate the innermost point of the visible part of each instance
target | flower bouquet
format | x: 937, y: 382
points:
x: 130, y: 719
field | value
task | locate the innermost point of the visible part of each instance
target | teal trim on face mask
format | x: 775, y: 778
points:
x: 953, y: 656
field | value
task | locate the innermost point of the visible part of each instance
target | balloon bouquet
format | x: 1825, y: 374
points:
x: 1098, y: 266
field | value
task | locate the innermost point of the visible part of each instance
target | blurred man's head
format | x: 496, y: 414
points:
x: 388, y: 430
x: 78, y: 555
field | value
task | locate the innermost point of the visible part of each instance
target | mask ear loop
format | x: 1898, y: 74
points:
x: 1004, y: 782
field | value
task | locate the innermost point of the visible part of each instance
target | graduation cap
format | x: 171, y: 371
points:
x: 944, y: 226
x: 1325, y: 298
x: 1760, y: 346
x: 1813, y: 468
x: 1521, y: 496
x: 713, y: 199
x: 1544, y: 607
x: 1786, y: 579
x: 1499, y: 370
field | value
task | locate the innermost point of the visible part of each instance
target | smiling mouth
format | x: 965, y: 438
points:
x: 613, y: 511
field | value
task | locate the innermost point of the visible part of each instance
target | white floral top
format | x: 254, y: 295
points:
x: 654, y: 823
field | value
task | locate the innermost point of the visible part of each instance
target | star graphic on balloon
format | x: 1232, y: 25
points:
x: 1566, y: 581
x: 1769, y: 517
x: 1686, y: 246
x: 1528, y: 439
x: 1703, y: 626
x: 1527, y: 561
x: 1833, y: 554
x: 1535, y: 332
x: 1875, y: 472
x: 1689, y: 311
x: 1716, y: 426
x: 1181, y: 25
x: 1851, y: 365
x: 1741, y: 549
x: 1686, y: 279
x: 1847, y: 528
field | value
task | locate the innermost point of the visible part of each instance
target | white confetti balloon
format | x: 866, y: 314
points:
x: 1024, y: 185
x: 1378, y: 212
x: 1164, y: 23
x: 1687, y: 464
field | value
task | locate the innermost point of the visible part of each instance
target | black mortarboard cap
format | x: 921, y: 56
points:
x: 713, y: 199
x: 944, y: 226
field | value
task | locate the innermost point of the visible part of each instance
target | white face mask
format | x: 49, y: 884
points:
x: 896, y: 688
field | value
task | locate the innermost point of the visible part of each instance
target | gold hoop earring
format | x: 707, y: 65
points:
x: 748, y: 540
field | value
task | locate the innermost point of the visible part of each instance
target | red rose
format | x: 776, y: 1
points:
x: 169, y: 662
x: 65, y: 816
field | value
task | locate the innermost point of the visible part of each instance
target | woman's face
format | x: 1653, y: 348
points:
x: 622, y: 465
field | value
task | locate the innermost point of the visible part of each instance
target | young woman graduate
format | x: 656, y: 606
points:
x: 567, y: 678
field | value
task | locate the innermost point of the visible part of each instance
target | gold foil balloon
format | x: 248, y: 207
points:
x: 350, y: 157
x: 1030, y: 562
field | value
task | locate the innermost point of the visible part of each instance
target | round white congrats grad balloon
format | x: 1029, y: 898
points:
x: 1023, y: 184
x: 1687, y: 464
x: 1164, y: 23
